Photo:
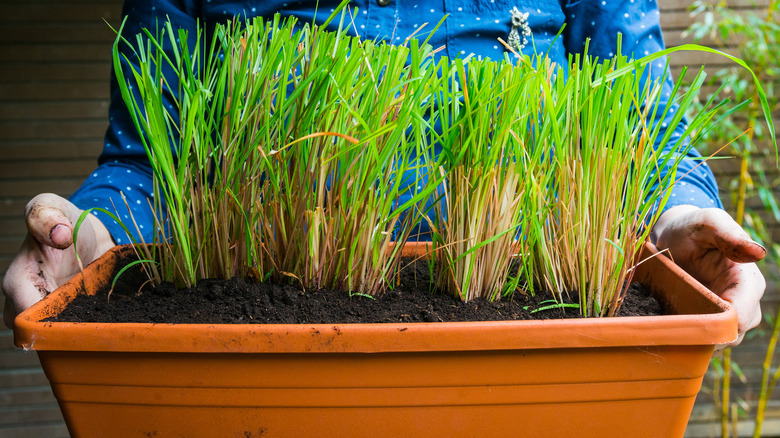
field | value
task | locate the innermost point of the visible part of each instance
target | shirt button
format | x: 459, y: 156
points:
x: 383, y: 2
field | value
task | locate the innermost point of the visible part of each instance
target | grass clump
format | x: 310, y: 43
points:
x: 343, y: 182
x: 493, y: 148
x: 281, y: 151
x: 608, y: 180
x: 553, y: 176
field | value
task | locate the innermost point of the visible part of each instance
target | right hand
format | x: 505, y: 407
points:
x: 47, y: 259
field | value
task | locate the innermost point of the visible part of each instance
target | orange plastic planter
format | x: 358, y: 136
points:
x: 633, y: 376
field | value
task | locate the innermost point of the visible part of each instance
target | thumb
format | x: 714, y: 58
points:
x: 50, y: 220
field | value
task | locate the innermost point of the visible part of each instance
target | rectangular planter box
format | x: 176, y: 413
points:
x: 629, y: 376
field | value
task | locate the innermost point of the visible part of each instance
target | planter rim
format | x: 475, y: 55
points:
x: 715, y: 322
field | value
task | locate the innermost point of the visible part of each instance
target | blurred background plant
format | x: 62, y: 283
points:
x: 754, y: 36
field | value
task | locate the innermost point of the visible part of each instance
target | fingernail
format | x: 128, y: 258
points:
x: 59, y: 235
x: 758, y: 245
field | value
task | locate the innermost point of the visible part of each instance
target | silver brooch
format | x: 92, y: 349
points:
x: 518, y: 36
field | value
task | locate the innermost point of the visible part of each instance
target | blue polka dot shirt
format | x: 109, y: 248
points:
x: 472, y: 28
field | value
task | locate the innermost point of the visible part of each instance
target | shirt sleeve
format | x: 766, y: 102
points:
x: 123, y: 167
x: 638, y: 21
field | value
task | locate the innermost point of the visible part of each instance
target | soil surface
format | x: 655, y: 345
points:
x: 237, y: 301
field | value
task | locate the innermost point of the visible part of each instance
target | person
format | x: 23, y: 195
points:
x: 701, y: 237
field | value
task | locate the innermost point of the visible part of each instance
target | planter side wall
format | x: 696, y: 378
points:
x: 649, y: 391
x: 604, y: 377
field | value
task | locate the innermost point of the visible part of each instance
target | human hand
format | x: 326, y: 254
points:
x: 47, y: 258
x: 708, y: 244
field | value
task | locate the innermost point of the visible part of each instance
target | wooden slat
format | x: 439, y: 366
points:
x: 60, y: 71
x: 14, y: 416
x: 19, y: 359
x: 65, y: 90
x: 86, y: 109
x: 21, y: 377
x: 55, y: 169
x: 675, y: 38
x: 12, y: 227
x: 39, y: 149
x: 681, y: 19
x: 35, y: 13
x: 12, y: 208
x: 14, y: 52
x: 6, y: 340
x: 684, y: 5
x: 696, y: 59
x: 47, y: 130
x: 771, y: 428
x: 98, y: 31
x: 29, y: 188
x: 9, y: 245
x: 676, y: 20
x: 49, y: 430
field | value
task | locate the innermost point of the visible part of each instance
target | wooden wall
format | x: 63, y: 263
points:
x: 53, y: 100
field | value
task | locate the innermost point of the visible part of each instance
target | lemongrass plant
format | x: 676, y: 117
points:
x: 205, y: 154
x: 611, y: 177
x: 492, y: 151
x: 348, y: 181
x: 555, y: 169
x: 291, y: 152
x: 608, y: 181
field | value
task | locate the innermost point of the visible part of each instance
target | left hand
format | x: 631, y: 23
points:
x: 708, y: 244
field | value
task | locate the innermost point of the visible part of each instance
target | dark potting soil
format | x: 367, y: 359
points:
x: 238, y: 301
